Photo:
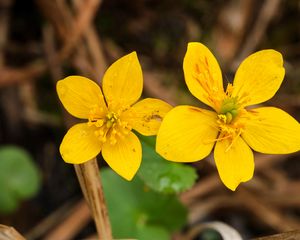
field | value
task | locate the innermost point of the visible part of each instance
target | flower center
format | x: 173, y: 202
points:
x: 229, y: 110
x: 110, y: 127
x: 230, y: 118
x: 111, y: 119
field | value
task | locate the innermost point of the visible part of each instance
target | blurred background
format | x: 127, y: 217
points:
x: 44, y: 41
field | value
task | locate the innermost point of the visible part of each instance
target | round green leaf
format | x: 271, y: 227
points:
x: 8, y: 203
x: 152, y: 232
x: 135, y: 210
x: 162, y: 175
x: 19, y: 177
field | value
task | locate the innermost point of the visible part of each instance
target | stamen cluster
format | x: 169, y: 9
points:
x: 110, y: 126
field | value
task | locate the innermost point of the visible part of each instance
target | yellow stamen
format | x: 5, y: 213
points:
x: 110, y: 127
x: 203, y: 75
x: 233, y: 140
x: 229, y: 89
x: 217, y: 139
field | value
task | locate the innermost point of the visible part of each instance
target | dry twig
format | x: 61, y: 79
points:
x: 73, y: 224
x: 9, y: 233
x: 89, y: 179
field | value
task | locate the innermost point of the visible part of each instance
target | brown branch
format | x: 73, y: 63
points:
x: 10, y: 76
x: 266, y: 213
x: 73, y: 224
x: 211, y: 183
x: 5, y: 6
x: 50, y: 221
x: 89, y: 179
x: 82, y: 21
x: 293, y: 235
x: 263, y: 20
x: 9, y: 233
x: 53, y: 12
x: 201, y: 188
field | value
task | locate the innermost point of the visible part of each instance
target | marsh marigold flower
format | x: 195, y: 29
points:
x: 189, y: 133
x: 111, y: 118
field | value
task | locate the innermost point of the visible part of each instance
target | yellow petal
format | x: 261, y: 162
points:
x: 203, y: 75
x: 187, y: 134
x: 125, y: 156
x: 80, y: 144
x: 147, y: 115
x: 79, y: 95
x: 236, y: 164
x: 271, y: 130
x: 123, y: 81
x: 258, y: 77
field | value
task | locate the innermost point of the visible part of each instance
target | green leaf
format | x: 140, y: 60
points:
x: 162, y: 175
x: 152, y: 232
x: 8, y: 203
x: 138, y: 212
x: 19, y: 177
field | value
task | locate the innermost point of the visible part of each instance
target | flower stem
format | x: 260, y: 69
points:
x: 90, y: 183
x: 9, y: 233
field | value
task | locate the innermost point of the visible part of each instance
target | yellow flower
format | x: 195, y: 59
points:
x: 189, y: 133
x: 110, y: 119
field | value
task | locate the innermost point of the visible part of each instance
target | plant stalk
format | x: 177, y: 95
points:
x: 9, y: 233
x: 90, y: 183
